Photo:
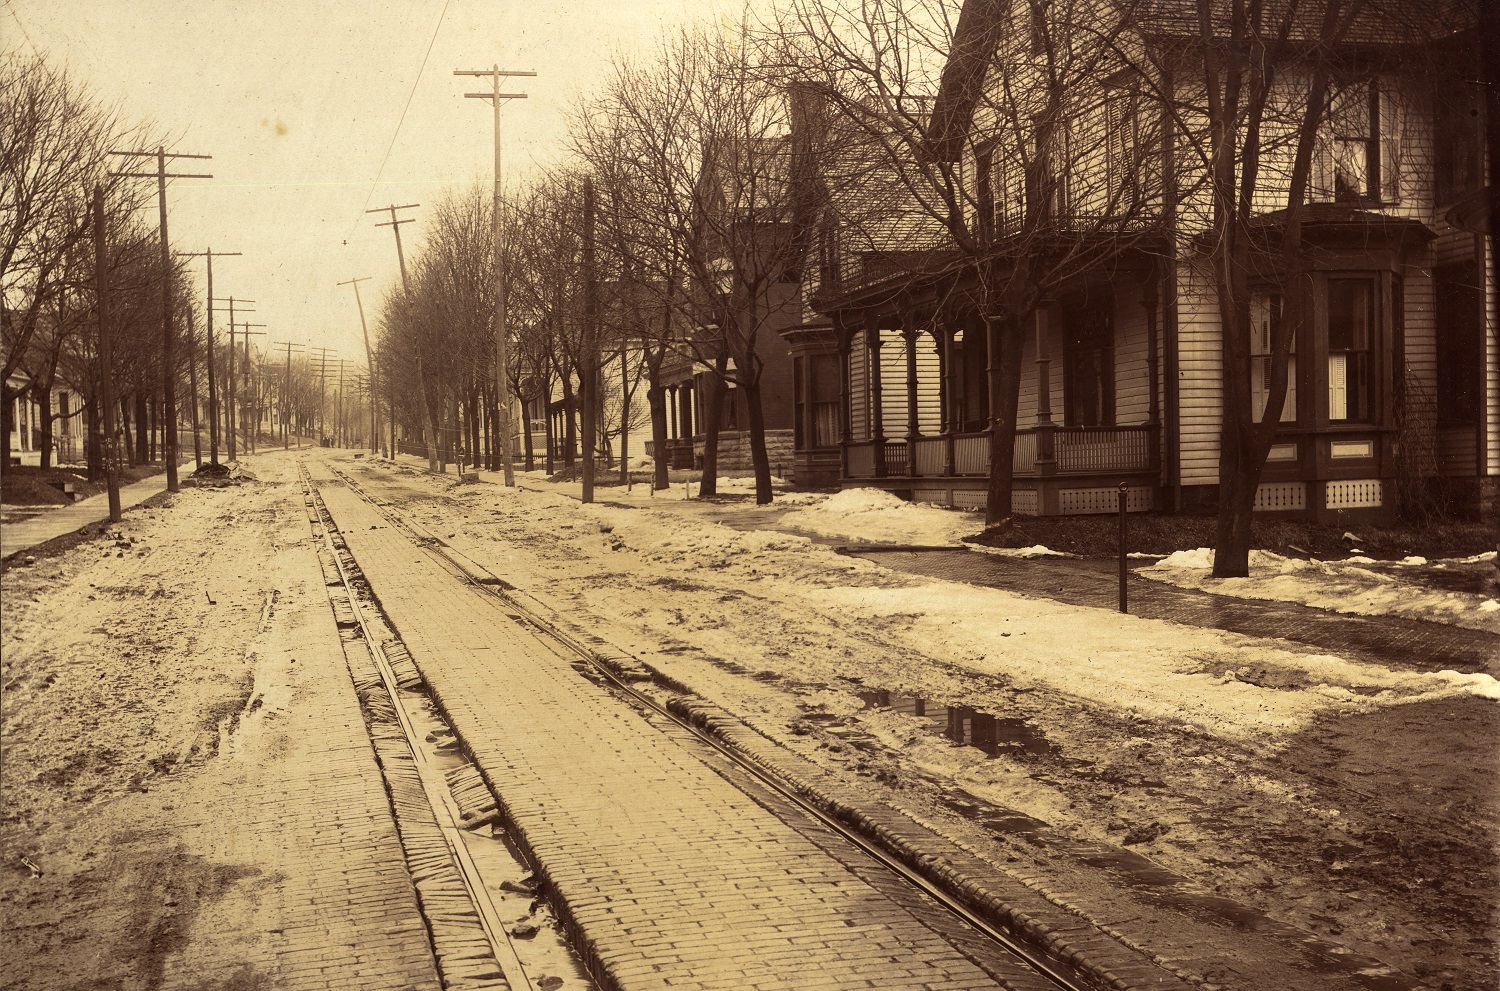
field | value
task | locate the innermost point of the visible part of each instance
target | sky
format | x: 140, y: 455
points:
x: 298, y: 102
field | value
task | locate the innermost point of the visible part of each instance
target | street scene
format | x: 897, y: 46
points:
x: 933, y: 494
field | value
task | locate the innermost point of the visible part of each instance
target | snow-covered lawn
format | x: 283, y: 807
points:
x: 874, y: 516
x: 1346, y: 586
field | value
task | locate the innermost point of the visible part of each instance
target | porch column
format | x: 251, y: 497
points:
x: 913, y: 418
x: 845, y: 338
x: 1046, y: 430
x: 673, y: 412
x: 943, y: 331
x: 1149, y: 300
x: 877, y: 410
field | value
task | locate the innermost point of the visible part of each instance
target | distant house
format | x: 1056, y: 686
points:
x: 25, y: 419
x: 1394, y: 376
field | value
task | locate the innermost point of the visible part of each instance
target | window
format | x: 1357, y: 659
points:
x: 1089, y: 368
x: 1367, y: 128
x: 1460, y: 344
x: 984, y: 192
x: 1121, y: 143
x: 799, y: 408
x: 1458, y: 141
x: 1047, y: 183
x: 1354, y: 114
x: 1265, y: 324
x: 826, y: 388
x: 1351, y: 323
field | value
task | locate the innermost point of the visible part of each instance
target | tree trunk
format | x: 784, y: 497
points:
x: 94, y: 444
x: 1004, y: 340
x: 713, y: 418
x: 434, y: 464
x: 570, y: 428
x: 8, y: 398
x: 44, y: 445
x: 758, y: 453
x: 656, y: 398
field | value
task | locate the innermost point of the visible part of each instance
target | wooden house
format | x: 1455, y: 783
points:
x: 1394, y: 376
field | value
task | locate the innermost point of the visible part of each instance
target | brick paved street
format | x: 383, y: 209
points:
x: 301, y: 798
x: 674, y: 876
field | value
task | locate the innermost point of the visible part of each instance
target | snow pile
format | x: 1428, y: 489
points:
x: 1339, y: 586
x: 1035, y: 550
x: 1222, y: 684
x: 876, y: 516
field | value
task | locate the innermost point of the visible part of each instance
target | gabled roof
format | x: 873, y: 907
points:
x: 975, y: 40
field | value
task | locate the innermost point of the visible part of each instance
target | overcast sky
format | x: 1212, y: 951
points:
x: 297, y: 101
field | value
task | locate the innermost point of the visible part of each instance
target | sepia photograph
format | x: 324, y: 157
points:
x: 757, y: 495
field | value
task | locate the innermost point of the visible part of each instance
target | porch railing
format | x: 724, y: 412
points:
x: 932, y: 455
x: 1076, y: 451
x: 1100, y: 449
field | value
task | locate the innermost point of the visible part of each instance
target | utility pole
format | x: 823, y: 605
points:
x: 502, y: 356
x: 229, y: 391
x: 338, y: 424
x: 395, y: 226
x: 286, y: 396
x: 253, y: 404
x: 106, y: 369
x: 213, y: 393
x: 590, y: 357
x: 323, y: 359
x: 432, y: 442
x: 168, y: 352
x: 193, y: 384
x: 369, y: 361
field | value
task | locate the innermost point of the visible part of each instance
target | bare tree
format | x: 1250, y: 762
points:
x: 54, y: 136
x: 966, y: 151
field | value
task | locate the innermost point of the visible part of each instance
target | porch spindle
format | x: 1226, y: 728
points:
x: 943, y: 333
x: 877, y: 409
x: 1046, y: 430
x: 846, y: 398
x: 913, y: 414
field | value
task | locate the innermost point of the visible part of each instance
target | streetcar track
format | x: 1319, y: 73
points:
x: 482, y: 581
x: 455, y: 802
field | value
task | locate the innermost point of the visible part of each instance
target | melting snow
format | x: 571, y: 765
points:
x: 876, y: 516
x: 1340, y: 586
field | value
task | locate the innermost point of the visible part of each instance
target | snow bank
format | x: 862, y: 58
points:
x: 1223, y: 684
x: 1339, y: 586
x: 1035, y: 550
x: 876, y: 516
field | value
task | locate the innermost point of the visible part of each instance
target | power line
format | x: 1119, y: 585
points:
x: 420, y: 69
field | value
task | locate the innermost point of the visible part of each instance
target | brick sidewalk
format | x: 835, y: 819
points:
x: 1381, y: 639
x: 674, y: 876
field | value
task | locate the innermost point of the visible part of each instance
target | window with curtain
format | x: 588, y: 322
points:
x: 1351, y: 326
x: 1265, y: 322
x: 826, y: 386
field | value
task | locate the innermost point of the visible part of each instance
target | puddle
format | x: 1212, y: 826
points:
x: 989, y: 733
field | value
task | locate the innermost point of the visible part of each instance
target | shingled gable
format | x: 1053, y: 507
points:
x: 980, y: 25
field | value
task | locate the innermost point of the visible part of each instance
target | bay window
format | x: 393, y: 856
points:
x: 1351, y: 329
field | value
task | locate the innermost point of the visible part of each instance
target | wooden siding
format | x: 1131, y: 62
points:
x: 1132, y: 373
x: 1199, y: 373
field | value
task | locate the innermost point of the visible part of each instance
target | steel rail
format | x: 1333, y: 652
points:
x: 768, y: 778
x: 433, y: 785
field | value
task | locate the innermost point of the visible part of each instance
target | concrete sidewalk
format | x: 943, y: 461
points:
x: 54, y: 523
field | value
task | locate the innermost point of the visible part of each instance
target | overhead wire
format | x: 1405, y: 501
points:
x: 397, y: 133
